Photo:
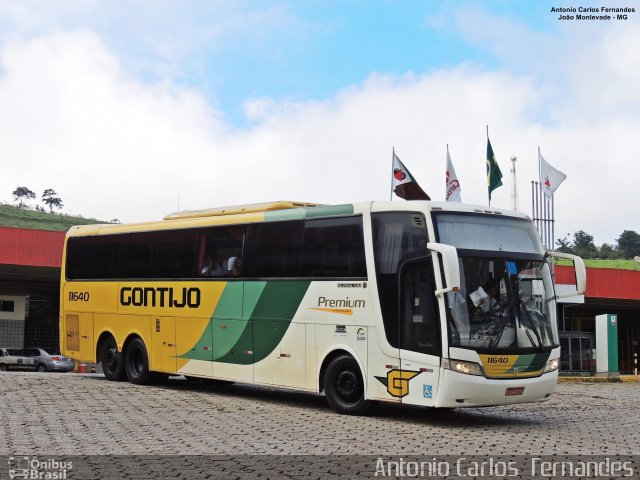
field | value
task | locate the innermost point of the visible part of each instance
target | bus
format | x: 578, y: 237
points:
x: 423, y: 303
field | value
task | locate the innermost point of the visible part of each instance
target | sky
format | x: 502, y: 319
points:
x: 131, y: 110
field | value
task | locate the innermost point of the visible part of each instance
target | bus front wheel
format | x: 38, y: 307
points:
x: 136, y: 362
x: 344, y: 387
x: 112, y: 360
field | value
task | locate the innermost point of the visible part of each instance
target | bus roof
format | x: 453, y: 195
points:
x: 237, y: 209
x: 280, y: 210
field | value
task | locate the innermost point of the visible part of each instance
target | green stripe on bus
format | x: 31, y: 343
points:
x: 530, y: 363
x: 268, y: 307
x: 227, y: 317
x: 280, y: 300
x: 309, y: 212
x: 329, y: 210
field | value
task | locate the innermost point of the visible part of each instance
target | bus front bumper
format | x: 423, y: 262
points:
x: 458, y: 390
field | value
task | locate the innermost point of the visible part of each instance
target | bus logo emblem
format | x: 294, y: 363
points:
x: 397, y: 382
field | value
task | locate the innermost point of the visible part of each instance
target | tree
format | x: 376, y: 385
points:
x: 608, y: 252
x: 22, y: 195
x: 583, y: 245
x: 629, y: 244
x: 50, y: 197
x: 564, y: 245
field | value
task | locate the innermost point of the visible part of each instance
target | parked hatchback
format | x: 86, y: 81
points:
x: 45, y: 361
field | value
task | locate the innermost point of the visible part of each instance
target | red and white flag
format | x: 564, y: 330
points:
x: 453, y: 185
x: 403, y: 184
x: 550, y: 178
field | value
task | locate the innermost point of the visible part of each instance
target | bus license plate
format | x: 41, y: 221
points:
x: 511, y: 391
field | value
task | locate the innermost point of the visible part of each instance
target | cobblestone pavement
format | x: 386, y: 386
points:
x: 63, y: 414
x: 108, y: 430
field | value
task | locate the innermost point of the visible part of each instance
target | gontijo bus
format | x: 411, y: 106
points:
x: 423, y: 303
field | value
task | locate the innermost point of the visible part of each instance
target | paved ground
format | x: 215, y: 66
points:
x: 69, y: 414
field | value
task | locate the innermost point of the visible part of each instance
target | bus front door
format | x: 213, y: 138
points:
x: 419, y: 333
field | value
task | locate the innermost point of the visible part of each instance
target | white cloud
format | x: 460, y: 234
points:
x: 74, y: 119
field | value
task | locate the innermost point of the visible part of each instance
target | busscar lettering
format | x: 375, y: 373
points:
x: 161, y: 297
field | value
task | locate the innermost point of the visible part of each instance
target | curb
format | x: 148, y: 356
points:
x: 617, y: 379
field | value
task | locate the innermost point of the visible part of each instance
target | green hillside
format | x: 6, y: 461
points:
x: 597, y: 263
x: 11, y: 216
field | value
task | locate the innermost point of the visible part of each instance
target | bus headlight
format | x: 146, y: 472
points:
x: 552, y: 365
x: 468, y: 368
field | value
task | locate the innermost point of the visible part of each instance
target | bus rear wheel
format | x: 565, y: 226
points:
x: 344, y: 387
x: 112, y: 360
x: 136, y: 363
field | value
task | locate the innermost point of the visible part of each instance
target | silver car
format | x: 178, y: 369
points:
x: 14, y: 359
x: 48, y: 362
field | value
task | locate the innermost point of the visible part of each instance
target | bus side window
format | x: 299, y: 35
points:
x: 218, y: 246
x: 274, y: 249
x: 396, y: 237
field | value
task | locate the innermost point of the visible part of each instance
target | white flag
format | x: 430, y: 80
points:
x: 453, y: 185
x: 550, y: 178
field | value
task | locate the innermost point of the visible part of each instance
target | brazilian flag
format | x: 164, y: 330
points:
x: 494, y: 175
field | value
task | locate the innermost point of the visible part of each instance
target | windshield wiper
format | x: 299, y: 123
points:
x: 532, y: 324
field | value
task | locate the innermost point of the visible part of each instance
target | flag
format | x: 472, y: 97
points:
x: 494, y: 175
x: 550, y: 178
x: 453, y: 185
x: 403, y: 184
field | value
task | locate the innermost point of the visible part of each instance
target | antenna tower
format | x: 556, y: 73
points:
x: 514, y: 185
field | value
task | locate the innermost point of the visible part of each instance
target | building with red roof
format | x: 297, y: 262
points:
x: 29, y: 287
x: 609, y: 291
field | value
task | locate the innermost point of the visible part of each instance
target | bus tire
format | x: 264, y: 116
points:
x: 344, y: 387
x: 112, y: 360
x: 136, y: 363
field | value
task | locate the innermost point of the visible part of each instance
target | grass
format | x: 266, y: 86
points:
x: 597, y: 263
x: 11, y: 216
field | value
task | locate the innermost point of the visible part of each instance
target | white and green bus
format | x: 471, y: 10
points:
x: 423, y: 303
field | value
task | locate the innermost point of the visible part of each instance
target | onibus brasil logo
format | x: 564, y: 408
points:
x: 33, y: 467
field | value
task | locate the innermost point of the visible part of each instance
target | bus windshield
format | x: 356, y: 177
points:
x: 503, y: 304
x: 506, y: 299
x: 488, y: 232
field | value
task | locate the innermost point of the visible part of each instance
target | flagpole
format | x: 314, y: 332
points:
x: 539, y: 165
x: 393, y: 154
x: 446, y: 179
x: 488, y: 171
x: 553, y: 226
x: 543, y: 199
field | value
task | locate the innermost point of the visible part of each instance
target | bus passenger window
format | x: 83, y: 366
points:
x: 219, y: 251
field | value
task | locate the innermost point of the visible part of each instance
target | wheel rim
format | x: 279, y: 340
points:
x: 348, y: 386
x: 137, y: 362
x: 111, y: 358
x: 3, y: 368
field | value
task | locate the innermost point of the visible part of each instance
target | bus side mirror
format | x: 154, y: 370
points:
x: 450, y: 266
x: 581, y: 272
